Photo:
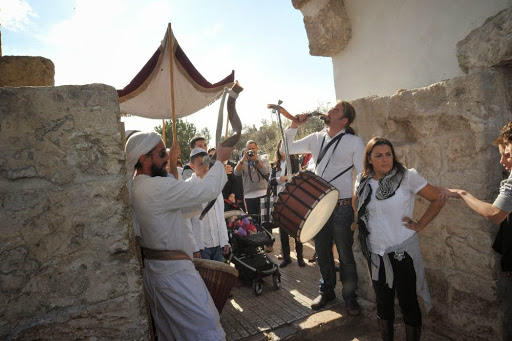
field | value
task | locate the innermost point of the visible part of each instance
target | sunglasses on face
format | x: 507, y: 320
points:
x: 162, y: 154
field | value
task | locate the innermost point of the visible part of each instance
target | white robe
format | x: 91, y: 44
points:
x: 180, y: 303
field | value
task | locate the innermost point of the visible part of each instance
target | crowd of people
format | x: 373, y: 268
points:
x: 167, y: 199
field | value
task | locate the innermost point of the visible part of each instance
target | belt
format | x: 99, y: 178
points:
x: 342, y: 202
x: 164, y: 254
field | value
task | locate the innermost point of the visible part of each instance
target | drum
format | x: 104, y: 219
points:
x: 305, y: 205
x: 219, y: 279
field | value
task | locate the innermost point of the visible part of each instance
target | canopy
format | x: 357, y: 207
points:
x: 149, y: 93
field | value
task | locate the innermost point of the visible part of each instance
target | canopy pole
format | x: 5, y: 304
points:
x: 171, y: 57
x: 163, y: 130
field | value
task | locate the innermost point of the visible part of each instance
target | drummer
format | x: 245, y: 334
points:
x: 336, y: 152
x: 180, y: 303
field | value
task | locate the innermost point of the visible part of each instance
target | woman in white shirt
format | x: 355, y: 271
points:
x: 385, y: 194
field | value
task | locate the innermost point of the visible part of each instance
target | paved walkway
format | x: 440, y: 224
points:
x: 247, y: 314
x: 286, y: 313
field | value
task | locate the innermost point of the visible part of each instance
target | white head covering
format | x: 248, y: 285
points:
x: 138, y: 144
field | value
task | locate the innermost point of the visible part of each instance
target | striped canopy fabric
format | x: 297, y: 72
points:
x: 149, y: 93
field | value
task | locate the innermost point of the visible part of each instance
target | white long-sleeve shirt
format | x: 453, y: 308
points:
x: 350, y: 151
x: 211, y: 230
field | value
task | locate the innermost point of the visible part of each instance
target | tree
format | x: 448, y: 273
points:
x: 186, y: 131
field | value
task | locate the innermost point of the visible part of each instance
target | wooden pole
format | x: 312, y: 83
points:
x: 171, y: 61
x: 163, y: 130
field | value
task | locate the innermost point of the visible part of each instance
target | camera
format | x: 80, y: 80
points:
x: 250, y: 153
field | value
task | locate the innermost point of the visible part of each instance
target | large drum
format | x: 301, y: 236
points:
x: 219, y: 279
x: 305, y: 205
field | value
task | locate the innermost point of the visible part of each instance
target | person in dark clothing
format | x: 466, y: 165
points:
x: 278, y: 179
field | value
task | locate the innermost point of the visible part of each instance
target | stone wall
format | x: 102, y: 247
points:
x: 26, y: 71
x: 69, y: 269
x: 445, y: 131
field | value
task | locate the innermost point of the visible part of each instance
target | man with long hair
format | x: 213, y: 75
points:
x: 336, y: 152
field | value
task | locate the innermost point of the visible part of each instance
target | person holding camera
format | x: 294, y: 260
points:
x: 254, y: 171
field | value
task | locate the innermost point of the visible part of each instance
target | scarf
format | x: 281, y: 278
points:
x: 388, y: 185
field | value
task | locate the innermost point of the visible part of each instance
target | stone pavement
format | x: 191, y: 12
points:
x: 285, y: 314
x: 246, y: 314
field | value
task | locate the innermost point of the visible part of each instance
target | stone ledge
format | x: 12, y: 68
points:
x: 19, y: 71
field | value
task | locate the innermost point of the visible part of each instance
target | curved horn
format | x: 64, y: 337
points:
x: 289, y: 116
x: 233, y: 117
x: 236, y: 124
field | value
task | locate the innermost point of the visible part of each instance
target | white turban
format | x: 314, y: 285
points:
x: 137, y: 145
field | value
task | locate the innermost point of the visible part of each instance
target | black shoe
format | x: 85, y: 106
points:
x: 301, y: 262
x: 285, y: 262
x: 322, y: 300
x: 353, y: 308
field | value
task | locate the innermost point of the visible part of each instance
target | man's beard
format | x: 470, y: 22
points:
x: 155, y: 171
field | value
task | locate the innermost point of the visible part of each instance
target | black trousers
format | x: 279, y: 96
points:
x: 285, y: 244
x: 404, y: 286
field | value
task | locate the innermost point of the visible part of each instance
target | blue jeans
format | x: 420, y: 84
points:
x: 338, y: 230
x: 212, y: 253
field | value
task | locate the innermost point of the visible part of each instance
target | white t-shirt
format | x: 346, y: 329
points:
x: 385, y: 216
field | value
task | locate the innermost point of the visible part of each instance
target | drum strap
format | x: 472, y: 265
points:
x: 321, y: 155
x: 337, y: 176
x: 164, y: 254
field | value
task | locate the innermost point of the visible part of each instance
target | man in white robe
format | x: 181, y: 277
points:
x: 181, y: 305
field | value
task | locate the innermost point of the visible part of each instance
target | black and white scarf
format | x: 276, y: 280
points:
x: 388, y: 185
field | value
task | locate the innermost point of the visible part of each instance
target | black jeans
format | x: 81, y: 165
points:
x: 404, y: 285
x: 285, y: 244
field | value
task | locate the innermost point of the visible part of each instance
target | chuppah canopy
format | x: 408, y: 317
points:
x: 150, y: 94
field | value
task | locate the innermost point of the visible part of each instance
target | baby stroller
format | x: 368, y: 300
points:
x: 247, y: 250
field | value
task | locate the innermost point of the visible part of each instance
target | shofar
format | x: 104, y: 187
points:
x: 236, y: 124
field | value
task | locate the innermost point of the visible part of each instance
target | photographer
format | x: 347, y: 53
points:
x: 254, y: 171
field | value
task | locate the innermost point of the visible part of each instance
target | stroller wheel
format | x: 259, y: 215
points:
x: 276, y: 280
x: 257, y: 285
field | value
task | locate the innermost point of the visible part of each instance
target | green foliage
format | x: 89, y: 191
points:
x: 186, y: 131
x: 268, y: 135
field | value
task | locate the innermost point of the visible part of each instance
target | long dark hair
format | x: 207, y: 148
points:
x: 377, y: 141
x: 350, y: 113
x: 278, y: 158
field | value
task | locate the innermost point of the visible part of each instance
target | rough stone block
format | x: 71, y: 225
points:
x: 488, y: 45
x: 69, y: 264
x: 26, y: 71
x: 327, y: 25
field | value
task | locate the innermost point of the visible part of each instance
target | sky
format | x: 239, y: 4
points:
x: 109, y: 41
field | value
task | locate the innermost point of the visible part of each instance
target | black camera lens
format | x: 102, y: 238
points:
x: 250, y: 153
